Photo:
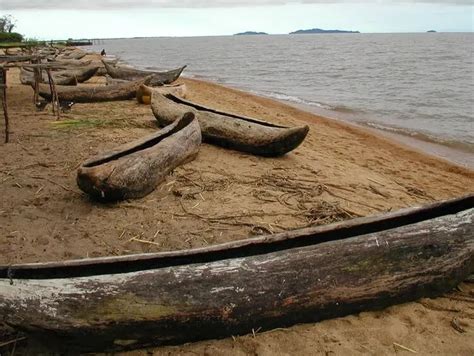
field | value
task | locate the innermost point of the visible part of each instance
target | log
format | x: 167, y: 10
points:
x: 305, y: 275
x: 87, y: 94
x: 135, y: 169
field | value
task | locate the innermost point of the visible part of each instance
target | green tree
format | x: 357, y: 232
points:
x: 7, y: 23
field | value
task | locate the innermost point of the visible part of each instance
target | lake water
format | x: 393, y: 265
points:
x: 417, y: 85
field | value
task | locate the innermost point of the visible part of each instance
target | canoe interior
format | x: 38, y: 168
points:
x: 187, y: 119
x: 214, y: 111
x: 249, y: 247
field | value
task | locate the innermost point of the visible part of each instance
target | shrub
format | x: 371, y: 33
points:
x: 10, y: 37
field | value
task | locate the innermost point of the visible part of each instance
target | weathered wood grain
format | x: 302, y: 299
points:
x: 88, y: 94
x: 28, y: 78
x: 158, y: 78
x: 184, y: 299
x: 144, y: 93
x: 229, y: 130
x: 135, y: 169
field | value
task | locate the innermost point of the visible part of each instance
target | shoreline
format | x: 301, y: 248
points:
x: 431, y: 148
x: 427, y: 150
x: 457, y: 156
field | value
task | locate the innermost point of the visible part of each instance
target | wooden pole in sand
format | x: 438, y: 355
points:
x: 3, y: 89
x: 37, y: 76
x: 54, y: 94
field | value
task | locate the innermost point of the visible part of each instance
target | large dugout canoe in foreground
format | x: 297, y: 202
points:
x: 92, y: 94
x: 266, y: 282
x: 229, y: 130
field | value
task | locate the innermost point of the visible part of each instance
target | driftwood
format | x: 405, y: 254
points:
x: 229, y: 130
x: 88, y: 94
x: 272, y: 281
x: 135, y: 169
x: 144, y: 92
x: 28, y: 78
x: 158, y: 78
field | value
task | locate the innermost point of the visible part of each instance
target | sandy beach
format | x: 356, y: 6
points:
x: 340, y: 172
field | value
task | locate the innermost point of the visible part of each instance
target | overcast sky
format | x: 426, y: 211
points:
x: 59, y: 19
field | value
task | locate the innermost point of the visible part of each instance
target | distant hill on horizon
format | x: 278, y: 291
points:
x: 250, y: 33
x: 318, y: 30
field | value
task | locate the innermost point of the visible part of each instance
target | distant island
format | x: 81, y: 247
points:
x: 250, y: 33
x: 318, y: 30
x: 431, y: 31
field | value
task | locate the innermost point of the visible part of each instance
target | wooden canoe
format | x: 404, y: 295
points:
x: 28, y: 78
x: 75, y: 54
x: 144, y: 92
x: 159, y: 78
x: 83, y: 73
x: 71, y: 62
x: 305, y: 275
x: 88, y: 94
x: 229, y: 130
x: 113, y: 81
x: 135, y: 169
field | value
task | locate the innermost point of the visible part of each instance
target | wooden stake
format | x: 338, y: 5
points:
x: 3, y: 88
x: 54, y: 94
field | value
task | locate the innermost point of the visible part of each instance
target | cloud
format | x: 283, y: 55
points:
x: 128, y: 4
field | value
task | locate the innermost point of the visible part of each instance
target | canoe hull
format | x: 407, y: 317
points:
x: 144, y: 93
x: 158, y: 78
x: 135, y: 169
x: 229, y: 130
x: 93, y: 94
x: 27, y: 78
x: 224, y: 293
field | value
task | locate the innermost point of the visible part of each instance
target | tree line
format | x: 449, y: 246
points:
x: 7, y: 24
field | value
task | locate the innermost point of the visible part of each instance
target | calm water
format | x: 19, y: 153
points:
x: 419, y: 85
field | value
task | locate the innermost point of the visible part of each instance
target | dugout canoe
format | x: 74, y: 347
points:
x: 93, y: 94
x: 305, y: 275
x: 135, y: 169
x: 71, y: 62
x: 75, y: 54
x: 144, y: 92
x: 83, y: 73
x: 112, y: 81
x: 28, y: 78
x: 230, y: 130
x: 159, y: 78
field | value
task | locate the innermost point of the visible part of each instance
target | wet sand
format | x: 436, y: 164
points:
x: 338, y: 173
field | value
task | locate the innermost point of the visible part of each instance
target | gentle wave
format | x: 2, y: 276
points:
x: 456, y: 144
x: 293, y: 99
